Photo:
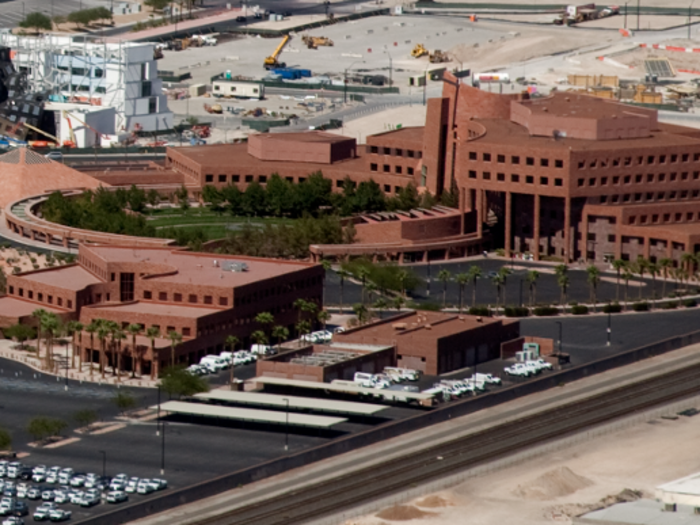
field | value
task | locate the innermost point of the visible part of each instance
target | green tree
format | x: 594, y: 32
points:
x: 593, y: 280
x: 153, y: 197
x: 444, y: 277
x: 323, y: 317
x: 41, y: 428
x: 408, y: 198
x: 369, y: 198
x: 134, y: 329
x: 474, y: 272
x: 85, y: 417
x: 175, y: 339
x: 342, y: 275
x: 303, y: 328
x: 5, y: 440
x: 664, y: 265
x: 499, y: 280
x: 183, y: 198
x: 153, y: 333
x: 91, y: 329
x: 361, y: 313
x: 640, y: 266
x: 265, y: 319
x: 654, y: 269
x: 253, y: 202
x: 21, y: 333
x: 561, y: 272
x: 531, y: 279
x: 73, y: 328
x: 281, y: 333
x: 462, y: 279
x: 626, y: 275
x: 259, y: 337
x: 177, y: 381
x: 398, y: 302
x: 124, y: 401
x: 37, y: 21
x: 380, y: 305
x: 157, y: 5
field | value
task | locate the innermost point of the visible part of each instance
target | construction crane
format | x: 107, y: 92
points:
x: 271, y: 62
x: 41, y: 132
x: 70, y: 127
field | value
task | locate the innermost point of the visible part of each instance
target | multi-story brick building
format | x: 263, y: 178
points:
x: 203, y: 297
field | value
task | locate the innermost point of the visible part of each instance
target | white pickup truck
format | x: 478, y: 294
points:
x: 489, y: 379
x: 519, y: 370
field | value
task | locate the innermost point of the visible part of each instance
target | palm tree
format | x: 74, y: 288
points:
x: 593, y: 280
x: 175, y: 339
x: 362, y: 273
x: 153, y: 333
x: 259, y: 337
x: 102, y: 333
x: 326, y: 268
x: 342, y: 274
x: 300, y: 305
x: 618, y: 265
x: 118, y: 335
x: 688, y: 261
x: 640, y: 266
x: 664, y: 265
x: 361, y: 312
x: 561, y: 271
x: 39, y: 314
x: 303, y: 328
x: 370, y: 288
x: 531, y: 279
x: 113, y: 327
x: 444, y: 276
x: 265, y: 319
x: 281, y: 333
x: 52, y: 327
x: 134, y: 329
x: 474, y: 273
x: 381, y: 304
x: 402, y: 276
x: 626, y: 275
x: 232, y: 341
x: 323, y: 317
x: 462, y: 280
x: 311, y: 308
x: 498, y: 280
x: 72, y: 328
x: 91, y: 329
x: 654, y: 270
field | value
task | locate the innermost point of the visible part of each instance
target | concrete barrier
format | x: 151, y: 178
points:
x: 380, y: 433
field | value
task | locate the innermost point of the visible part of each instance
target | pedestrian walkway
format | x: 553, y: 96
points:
x: 27, y: 243
x: 61, y: 358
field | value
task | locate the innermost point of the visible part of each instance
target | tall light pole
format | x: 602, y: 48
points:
x: 162, y: 449
x: 391, y: 67
x: 559, y: 341
x: 67, y: 361
x: 345, y: 80
x: 286, y: 425
x: 104, y: 462
x: 609, y: 328
x: 425, y: 82
x: 637, y: 15
x: 626, y: 14
x: 158, y: 416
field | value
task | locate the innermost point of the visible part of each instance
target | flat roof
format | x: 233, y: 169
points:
x: 73, y: 277
x: 641, y: 512
x: 295, y: 402
x: 331, y: 387
x: 13, y: 307
x: 304, y: 136
x: 198, y: 268
x: 409, y: 134
x: 689, y: 485
x: 250, y: 414
x: 171, y: 310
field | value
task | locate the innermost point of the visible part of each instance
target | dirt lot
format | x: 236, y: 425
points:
x: 557, y: 485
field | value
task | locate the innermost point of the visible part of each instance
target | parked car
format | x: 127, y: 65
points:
x: 76, y: 497
x: 21, y: 508
x: 60, y: 515
x: 518, y: 370
x: 544, y: 365
x: 78, y: 480
x: 240, y: 19
x: 489, y: 379
x: 42, y: 511
x: 144, y: 487
x: 13, y: 520
x: 34, y: 493
x: 131, y: 485
x: 117, y: 496
x: 90, y: 500
x: 159, y: 484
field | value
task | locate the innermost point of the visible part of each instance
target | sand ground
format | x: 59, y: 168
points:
x: 552, y: 487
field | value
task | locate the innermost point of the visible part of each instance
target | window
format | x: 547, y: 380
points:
x: 209, y: 178
x: 662, y: 159
x: 544, y: 162
x: 70, y: 303
x: 30, y: 294
x: 235, y: 178
x: 638, y: 179
x: 487, y: 157
x: 152, y: 105
x: 169, y: 329
x: 501, y: 158
x: 112, y: 277
x: 262, y: 179
x: 59, y: 301
x: 177, y: 297
x: 544, y: 181
x: 208, y: 299
x: 674, y: 158
x: 373, y: 149
x: 581, y: 164
x: 515, y: 159
x: 558, y: 163
x: 616, y: 180
x: 486, y: 175
x: 387, y: 151
x: 616, y: 162
x: 515, y: 177
x: 223, y: 301
x: 249, y: 178
x: 98, y: 73
x: 222, y: 178
x: 684, y: 157
x: 530, y: 161
x: 529, y: 179
x: 581, y: 182
x: 386, y: 168
x: 501, y: 176
x: 192, y: 298
x: 39, y: 295
x: 591, y: 181
x: 662, y: 177
x: 558, y: 182
x: 472, y: 174
x: 399, y: 152
x: 673, y: 176
x: 387, y: 188
x: 398, y: 169
x: 409, y: 171
x: 186, y: 331
x: 147, y: 294
x: 409, y: 153
x: 472, y: 155
x: 603, y: 181
x: 126, y: 287
x: 627, y: 179
x: 373, y: 166
x: 162, y: 296
x: 650, y: 159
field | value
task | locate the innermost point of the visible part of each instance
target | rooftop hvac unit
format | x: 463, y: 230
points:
x: 233, y: 266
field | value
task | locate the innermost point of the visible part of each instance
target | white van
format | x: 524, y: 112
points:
x: 364, y: 379
x: 213, y: 362
x: 260, y: 349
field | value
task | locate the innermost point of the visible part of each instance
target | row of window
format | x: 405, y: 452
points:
x: 262, y: 179
x: 515, y: 177
x: 386, y: 168
x: 396, y: 152
x: 657, y: 218
x: 40, y: 297
x: 638, y: 161
x: 191, y: 298
x: 277, y: 290
x: 515, y: 159
x: 650, y: 196
x: 638, y: 179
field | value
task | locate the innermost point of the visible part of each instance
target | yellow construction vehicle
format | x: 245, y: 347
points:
x: 312, y: 42
x: 271, y: 62
x: 438, y: 57
x: 419, y: 51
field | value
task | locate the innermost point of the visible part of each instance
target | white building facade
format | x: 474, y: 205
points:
x: 120, y: 75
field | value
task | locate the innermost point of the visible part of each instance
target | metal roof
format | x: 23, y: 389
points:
x: 377, y: 392
x: 250, y: 414
x: 295, y: 402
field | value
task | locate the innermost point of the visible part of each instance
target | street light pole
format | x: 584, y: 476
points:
x: 637, y: 15
x: 158, y: 416
x: 286, y: 426
x: 162, y: 449
x: 427, y: 293
x: 626, y: 14
x: 689, y: 14
x: 521, y: 293
x: 559, y: 341
x: 345, y: 80
x: 67, y: 361
x: 609, y: 328
x: 391, y: 67
x: 104, y: 462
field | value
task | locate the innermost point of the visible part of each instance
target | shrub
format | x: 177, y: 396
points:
x: 124, y: 401
x: 480, y: 310
x: 690, y: 303
x: 516, y: 311
x: 640, y: 307
x: 670, y: 305
x: 500, y: 252
x: 430, y: 307
x: 43, y: 427
x: 612, y: 308
x: 546, y: 310
x: 85, y: 417
x: 579, y: 309
x: 5, y: 439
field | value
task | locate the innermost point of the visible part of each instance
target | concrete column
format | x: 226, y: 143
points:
x: 462, y: 208
x: 401, y: 254
x: 65, y: 241
x: 509, y: 220
x: 33, y: 235
x: 567, y: 230
x: 425, y: 257
x: 138, y: 361
x: 647, y: 247
x: 479, y: 213
x: 669, y: 249
x: 584, y: 238
x: 536, y: 227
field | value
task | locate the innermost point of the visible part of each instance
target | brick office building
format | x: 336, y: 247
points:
x: 203, y: 297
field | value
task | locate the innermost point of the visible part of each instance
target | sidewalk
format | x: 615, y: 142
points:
x: 10, y: 350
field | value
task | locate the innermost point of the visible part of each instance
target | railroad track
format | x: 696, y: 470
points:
x: 395, y: 474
